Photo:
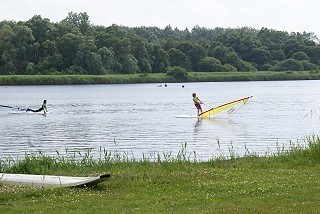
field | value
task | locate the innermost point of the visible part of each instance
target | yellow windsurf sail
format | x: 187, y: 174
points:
x: 226, y: 109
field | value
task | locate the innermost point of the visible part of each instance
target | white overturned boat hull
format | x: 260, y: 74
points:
x: 51, y: 180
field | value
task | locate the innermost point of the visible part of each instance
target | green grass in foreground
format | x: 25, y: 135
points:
x: 287, y: 182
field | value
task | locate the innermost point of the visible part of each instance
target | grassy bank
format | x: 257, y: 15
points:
x: 155, y: 78
x: 287, y: 182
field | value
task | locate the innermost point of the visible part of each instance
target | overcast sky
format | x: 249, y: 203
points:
x: 284, y: 15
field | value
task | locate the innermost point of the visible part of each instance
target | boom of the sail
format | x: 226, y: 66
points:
x: 14, y: 108
x: 225, y: 110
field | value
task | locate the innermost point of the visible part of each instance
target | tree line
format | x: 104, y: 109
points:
x: 75, y: 46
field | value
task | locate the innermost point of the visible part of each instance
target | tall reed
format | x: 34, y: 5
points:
x: 40, y: 163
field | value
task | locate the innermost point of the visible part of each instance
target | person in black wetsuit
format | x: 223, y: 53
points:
x: 42, y: 108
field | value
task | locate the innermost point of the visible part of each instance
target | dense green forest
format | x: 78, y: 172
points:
x: 75, y: 46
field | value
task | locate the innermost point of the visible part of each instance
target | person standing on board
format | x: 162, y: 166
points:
x: 42, y: 108
x: 197, y: 103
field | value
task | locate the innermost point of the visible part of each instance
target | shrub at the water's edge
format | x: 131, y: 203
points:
x: 80, y: 163
x: 155, y: 78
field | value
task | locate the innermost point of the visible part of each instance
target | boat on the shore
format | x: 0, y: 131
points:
x: 51, y: 180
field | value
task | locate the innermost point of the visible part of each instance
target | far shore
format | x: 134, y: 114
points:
x: 6, y: 80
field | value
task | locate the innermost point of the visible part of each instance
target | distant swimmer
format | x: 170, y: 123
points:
x: 42, y: 108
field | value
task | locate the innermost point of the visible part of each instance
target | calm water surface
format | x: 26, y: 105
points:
x: 140, y: 119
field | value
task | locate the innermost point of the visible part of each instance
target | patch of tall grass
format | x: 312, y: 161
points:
x: 309, y: 153
x: 40, y: 163
x: 79, y: 163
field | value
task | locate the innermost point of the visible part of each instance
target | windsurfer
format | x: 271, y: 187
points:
x: 197, y: 103
x: 42, y: 108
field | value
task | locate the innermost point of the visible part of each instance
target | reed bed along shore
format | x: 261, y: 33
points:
x: 40, y: 163
x: 285, y: 182
x: 156, y: 78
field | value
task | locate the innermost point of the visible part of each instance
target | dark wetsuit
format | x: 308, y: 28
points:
x: 42, y: 108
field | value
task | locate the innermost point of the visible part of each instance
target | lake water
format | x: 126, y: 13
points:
x: 140, y: 119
